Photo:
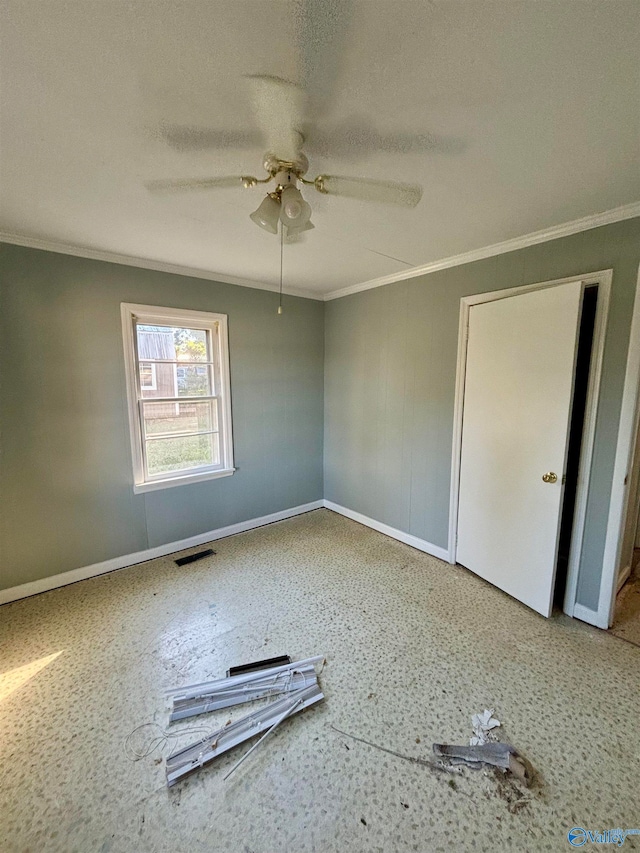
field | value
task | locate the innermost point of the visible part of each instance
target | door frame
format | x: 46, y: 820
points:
x: 603, y: 279
x: 630, y: 516
x: 619, y: 503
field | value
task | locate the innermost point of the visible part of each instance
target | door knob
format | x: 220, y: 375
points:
x: 550, y: 477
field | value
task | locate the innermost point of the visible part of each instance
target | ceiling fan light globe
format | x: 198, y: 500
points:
x: 294, y: 230
x: 294, y: 210
x: 267, y: 214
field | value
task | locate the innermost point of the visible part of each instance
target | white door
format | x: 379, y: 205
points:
x: 517, y: 403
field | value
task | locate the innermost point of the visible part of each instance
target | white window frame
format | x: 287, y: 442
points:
x: 216, y: 326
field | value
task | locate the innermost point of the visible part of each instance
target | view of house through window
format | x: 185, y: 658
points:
x: 147, y: 375
x: 179, y: 398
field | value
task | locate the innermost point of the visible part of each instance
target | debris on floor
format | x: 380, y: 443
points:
x: 149, y: 737
x: 424, y: 762
x: 191, y: 558
x: 297, y: 680
x: 269, y: 663
x: 482, y: 727
x: 452, y: 758
x: 245, y: 687
x: 500, y: 755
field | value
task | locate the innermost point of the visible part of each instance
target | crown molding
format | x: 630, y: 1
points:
x: 607, y: 217
x: 147, y: 264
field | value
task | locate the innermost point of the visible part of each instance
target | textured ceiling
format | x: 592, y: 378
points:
x: 514, y: 116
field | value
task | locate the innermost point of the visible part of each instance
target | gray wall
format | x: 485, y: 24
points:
x: 390, y: 370
x: 65, y: 466
x: 66, y: 475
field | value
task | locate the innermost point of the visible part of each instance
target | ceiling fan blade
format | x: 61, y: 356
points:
x: 324, y: 34
x: 356, y: 137
x: 279, y: 108
x: 389, y: 192
x: 195, y: 138
x: 171, y: 186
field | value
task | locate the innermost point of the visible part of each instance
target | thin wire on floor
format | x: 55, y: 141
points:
x: 160, y: 741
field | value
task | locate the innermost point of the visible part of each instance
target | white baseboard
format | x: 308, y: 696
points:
x: 25, y: 590
x: 593, y: 617
x: 34, y: 587
x: 400, y: 535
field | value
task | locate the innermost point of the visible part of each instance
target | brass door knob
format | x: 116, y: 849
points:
x: 550, y: 477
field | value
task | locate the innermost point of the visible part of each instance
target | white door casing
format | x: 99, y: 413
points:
x: 631, y: 529
x: 518, y: 394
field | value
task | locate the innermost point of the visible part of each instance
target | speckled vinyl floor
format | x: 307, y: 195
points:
x: 413, y: 648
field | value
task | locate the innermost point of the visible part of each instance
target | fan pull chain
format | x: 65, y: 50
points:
x: 281, y: 258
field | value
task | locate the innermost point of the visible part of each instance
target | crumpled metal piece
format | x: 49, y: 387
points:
x: 497, y: 754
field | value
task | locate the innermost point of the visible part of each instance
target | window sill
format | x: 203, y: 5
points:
x: 154, y: 485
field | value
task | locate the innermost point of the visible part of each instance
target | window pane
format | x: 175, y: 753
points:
x: 172, y: 342
x: 167, y: 418
x: 193, y: 380
x: 165, y: 380
x: 147, y: 376
x: 176, y: 454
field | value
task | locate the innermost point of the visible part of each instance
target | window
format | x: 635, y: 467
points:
x: 178, y: 391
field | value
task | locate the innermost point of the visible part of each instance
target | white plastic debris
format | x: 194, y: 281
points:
x: 482, y: 726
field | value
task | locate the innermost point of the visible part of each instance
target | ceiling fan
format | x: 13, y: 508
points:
x: 279, y: 108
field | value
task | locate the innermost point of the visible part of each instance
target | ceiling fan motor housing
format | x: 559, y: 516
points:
x: 274, y: 164
x: 286, y: 178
